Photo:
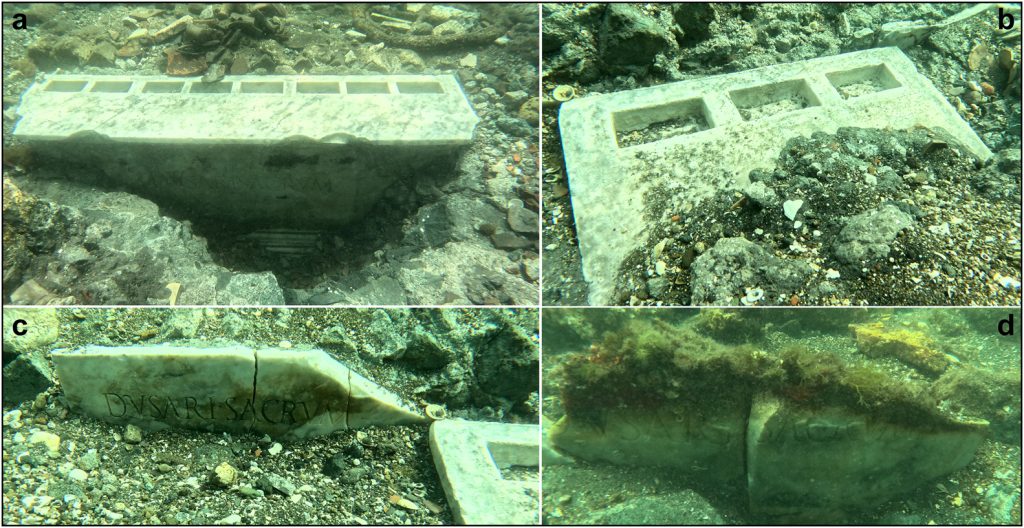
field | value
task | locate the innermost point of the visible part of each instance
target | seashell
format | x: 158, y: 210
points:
x: 978, y: 57
x: 436, y: 412
x: 403, y: 502
x: 563, y: 93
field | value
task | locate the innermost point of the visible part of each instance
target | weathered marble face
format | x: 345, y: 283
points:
x: 288, y: 394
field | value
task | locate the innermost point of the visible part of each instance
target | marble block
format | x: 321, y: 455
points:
x: 470, y: 456
x: 264, y: 151
x: 289, y: 394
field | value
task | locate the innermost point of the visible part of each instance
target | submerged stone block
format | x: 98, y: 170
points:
x: 265, y: 151
x: 286, y: 393
x: 808, y: 436
x: 629, y: 155
x: 470, y: 457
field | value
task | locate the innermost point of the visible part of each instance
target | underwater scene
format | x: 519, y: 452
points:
x: 781, y: 154
x: 782, y: 416
x: 270, y: 416
x: 270, y: 153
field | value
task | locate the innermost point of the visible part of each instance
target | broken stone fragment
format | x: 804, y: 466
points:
x: 288, y: 394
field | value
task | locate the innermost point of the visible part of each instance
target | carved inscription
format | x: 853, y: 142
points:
x: 823, y: 430
x: 683, y: 427
x: 188, y: 408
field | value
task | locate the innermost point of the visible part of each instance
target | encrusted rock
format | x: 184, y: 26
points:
x: 867, y: 237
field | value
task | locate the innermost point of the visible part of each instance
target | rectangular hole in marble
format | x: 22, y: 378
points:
x: 111, y: 86
x: 367, y: 87
x: 262, y: 87
x: 65, y: 86
x: 770, y: 99
x: 163, y: 87
x: 863, y: 81
x: 419, y: 87
x: 318, y: 88
x: 211, y: 88
x: 654, y: 123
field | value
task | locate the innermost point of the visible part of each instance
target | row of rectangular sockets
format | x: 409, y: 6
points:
x: 717, y: 109
x: 263, y: 87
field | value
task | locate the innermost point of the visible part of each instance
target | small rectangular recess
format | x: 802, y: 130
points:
x: 648, y: 124
x: 262, y: 87
x: 505, y: 454
x: 163, y: 87
x: 758, y: 102
x: 318, y: 87
x: 419, y: 87
x: 366, y: 87
x: 112, y: 86
x: 65, y: 86
x: 210, y: 88
x: 863, y: 81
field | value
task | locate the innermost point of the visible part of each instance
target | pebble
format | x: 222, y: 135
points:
x: 132, y: 434
x: 531, y: 269
x: 39, y: 404
x: 77, y: 475
x: 354, y: 475
x: 89, y: 461
x: 50, y: 440
x: 225, y: 475
x: 275, y: 449
x: 973, y: 97
x: 521, y: 220
x: 285, y: 344
x: 272, y: 482
x: 469, y: 61
x: 234, y: 518
x: 13, y: 419
x: 1009, y: 283
x: 250, y: 492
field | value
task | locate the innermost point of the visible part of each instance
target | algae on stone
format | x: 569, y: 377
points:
x: 910, y: 347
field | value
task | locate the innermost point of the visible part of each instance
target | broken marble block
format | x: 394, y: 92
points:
x: 798, y: 464
x: 289, y: 394
x: 835, y: 460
